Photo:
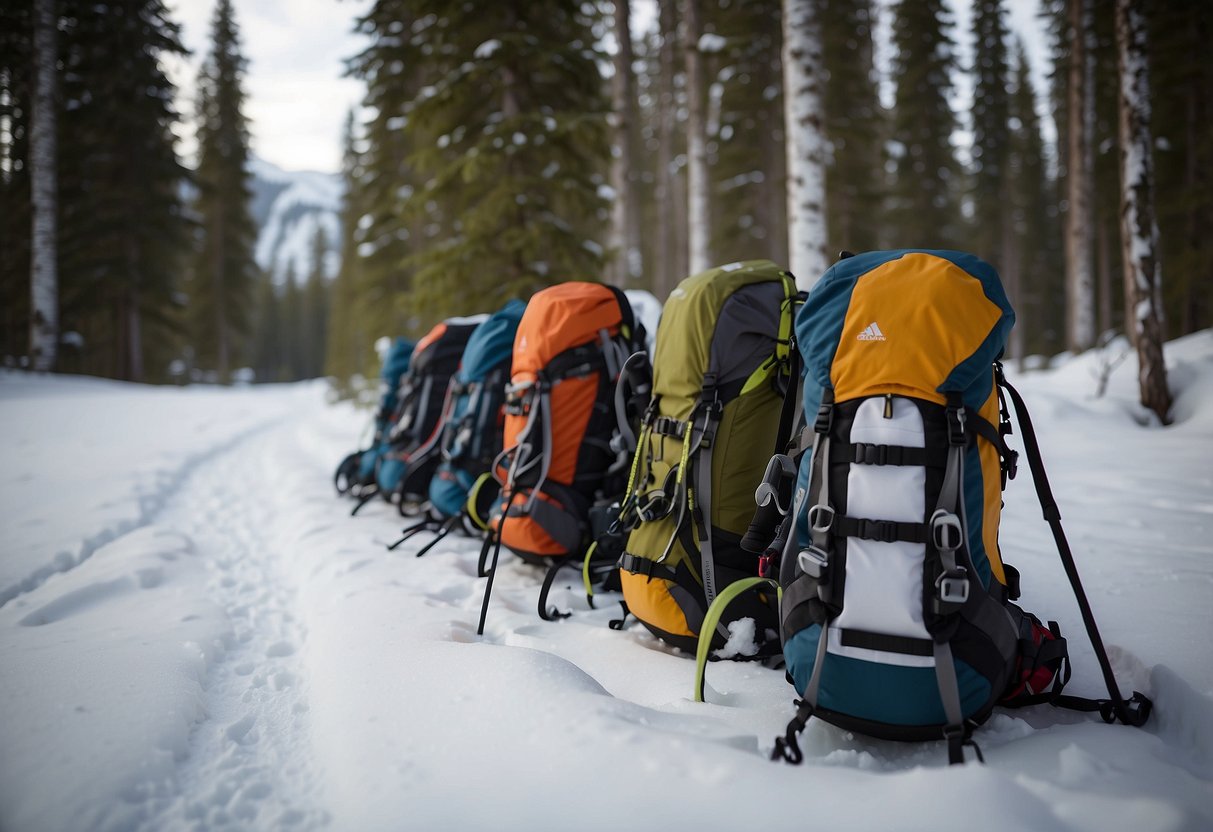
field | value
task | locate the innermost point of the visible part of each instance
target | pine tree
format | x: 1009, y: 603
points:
x: 122, y: 225
x: 1033, y: 256
x: 291, y: 328
x: 511, y: 142
x: 380, y: 181
x: 1179, y: 38
x: 225, y: 272
x: 315, y: 314
x: 265, y: 346
x: 348, y: 350
x: 854, y: 125
x: 991, y: 112
x: 746, y: 149
x: 926, y: 175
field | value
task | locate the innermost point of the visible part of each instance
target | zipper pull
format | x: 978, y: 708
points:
x: 888, y: 405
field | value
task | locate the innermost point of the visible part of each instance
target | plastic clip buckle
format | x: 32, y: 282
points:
x: 953, y: 587
x: 813, y: 562
x: 816, y: 523
x: 825, y: 418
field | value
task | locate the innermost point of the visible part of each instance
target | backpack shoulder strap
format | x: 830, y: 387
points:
x: 1136, y: 710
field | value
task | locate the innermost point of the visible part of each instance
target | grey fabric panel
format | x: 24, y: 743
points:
x: 800, y: 591
x: 745, y: 331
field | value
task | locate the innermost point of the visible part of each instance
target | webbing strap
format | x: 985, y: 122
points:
x: 644, y: 566
x: 545, y: 456
x: 1135, y: 711
x: 949, y: 694
x: 820, y: 467
x: 863, y: 453
x: 884, y: 531
x: 703, y: 508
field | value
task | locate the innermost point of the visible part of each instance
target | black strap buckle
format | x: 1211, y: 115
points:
x: 825, y: 418
x: 957, y: 432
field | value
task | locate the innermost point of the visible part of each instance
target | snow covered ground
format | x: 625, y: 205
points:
x: 194, y: 634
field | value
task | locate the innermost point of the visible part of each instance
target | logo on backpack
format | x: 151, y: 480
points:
x: 872, y: 333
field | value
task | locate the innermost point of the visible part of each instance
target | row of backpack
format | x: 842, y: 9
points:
x: 814, y: 483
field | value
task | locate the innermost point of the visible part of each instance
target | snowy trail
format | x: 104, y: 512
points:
x: 251, y: 657
x: 249, y: 763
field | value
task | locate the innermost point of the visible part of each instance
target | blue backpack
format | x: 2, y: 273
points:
x: 356, y: 473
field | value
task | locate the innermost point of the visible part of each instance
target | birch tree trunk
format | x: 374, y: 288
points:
x: 667, y: 276
x: 698, y: 199
x: 1080, y: 279
x: 1139, y: 227
x: 44, y: 188
x: 625, y: 212
x: 802, y: 73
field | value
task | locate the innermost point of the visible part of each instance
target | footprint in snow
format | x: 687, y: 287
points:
x: 280, y: 650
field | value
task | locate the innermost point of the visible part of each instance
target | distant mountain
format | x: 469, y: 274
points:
x: 289, y: 207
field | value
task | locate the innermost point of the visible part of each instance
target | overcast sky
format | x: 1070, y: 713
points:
x: 297, y: 95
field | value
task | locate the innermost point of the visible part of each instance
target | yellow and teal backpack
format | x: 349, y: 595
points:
x: 895, y: 617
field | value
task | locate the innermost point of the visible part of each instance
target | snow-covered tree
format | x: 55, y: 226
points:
x: 803, y: 72
x: 16, y: 70
x: 1139, y: 236
x: 699, y: 194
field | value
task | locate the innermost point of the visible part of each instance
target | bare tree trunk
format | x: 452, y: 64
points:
x: 44, y: 194
x: 802, y: 72
x: 1080, y: 284
x: 1143, y: 270
x: 1011, y: 266
x: 625, y: 213
x: 667, y: 269
x: 699, y: 227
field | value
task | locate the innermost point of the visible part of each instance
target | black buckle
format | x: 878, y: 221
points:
x: 957, y: 434
x: 825, y: 418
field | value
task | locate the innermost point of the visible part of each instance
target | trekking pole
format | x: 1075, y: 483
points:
x: 488, y: 587
x: 445, y: 529
x: 408, y: 532
x: 1137, y: 709
x: 363, y: 499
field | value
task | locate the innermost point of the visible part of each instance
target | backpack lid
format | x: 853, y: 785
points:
x: 561, y: 317
x: 492, y: 343
x: 397, y: 360
x: 724, y: 321
x: 445, y: 340
x: 914, y: 322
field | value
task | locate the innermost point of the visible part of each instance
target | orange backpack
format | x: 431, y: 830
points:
x: 567, y: 447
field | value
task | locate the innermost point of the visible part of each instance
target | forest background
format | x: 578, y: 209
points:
x: 503, y: 147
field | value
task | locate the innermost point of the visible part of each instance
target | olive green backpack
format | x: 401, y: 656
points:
x: 723, y: 365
